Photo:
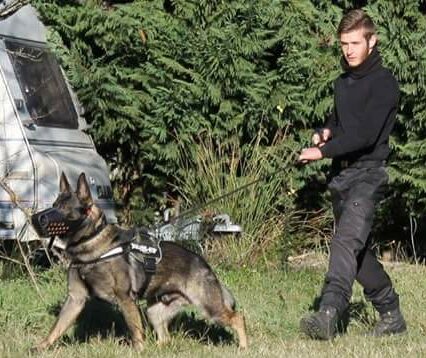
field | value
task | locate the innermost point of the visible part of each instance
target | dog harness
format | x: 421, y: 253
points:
x: 147, y: 254
x: 143, y: 249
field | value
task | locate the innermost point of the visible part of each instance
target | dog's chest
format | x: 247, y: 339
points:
x: 101, y: 282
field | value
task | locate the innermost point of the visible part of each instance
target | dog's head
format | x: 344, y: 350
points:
x: 72, y: 214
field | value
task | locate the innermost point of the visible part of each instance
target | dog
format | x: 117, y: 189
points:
x: 181, y: 277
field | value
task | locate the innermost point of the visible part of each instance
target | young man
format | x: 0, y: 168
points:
x: 356, y: 136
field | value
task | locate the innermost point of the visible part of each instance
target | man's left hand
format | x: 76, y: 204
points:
x: 310, y: 154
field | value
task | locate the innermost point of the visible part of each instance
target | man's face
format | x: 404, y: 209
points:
x: 356, y: 47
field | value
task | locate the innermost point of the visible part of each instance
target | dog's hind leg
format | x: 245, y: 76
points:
x: 132, y: 316
x: 230, y: 318
x: 236, y: 320
x: 162, y: 312
x: 217, y: 303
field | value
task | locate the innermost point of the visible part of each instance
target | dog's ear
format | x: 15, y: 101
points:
x: 64, y: 186
x: 83, y: 190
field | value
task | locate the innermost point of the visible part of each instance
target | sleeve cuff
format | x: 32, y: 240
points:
x: 328, y: 150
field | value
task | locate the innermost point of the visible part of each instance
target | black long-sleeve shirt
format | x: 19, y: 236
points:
x: 365, y: 106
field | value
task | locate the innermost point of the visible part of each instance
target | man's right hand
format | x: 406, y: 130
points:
x: 320, y: 137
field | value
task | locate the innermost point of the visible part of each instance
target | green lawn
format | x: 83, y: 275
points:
x: 273, y: 302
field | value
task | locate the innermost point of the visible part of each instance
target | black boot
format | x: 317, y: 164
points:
x: 391, y: 322
x: 321, y: 324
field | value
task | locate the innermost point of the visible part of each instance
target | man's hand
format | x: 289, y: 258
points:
x: 320, y: 137
x: 310, y: 154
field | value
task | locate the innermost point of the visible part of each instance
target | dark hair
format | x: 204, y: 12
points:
x: 354, y: 20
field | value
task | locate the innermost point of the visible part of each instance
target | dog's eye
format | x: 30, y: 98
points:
x: 63, y: 197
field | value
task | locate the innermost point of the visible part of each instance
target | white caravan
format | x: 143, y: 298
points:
x: 41, y: 127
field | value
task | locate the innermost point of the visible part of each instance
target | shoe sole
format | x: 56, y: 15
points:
x: 311, y: 327
x: 398, y: 331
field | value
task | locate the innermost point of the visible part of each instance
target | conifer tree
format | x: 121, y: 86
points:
x: 154, y: 74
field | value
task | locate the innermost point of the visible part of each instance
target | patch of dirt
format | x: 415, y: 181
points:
x: 319, y: 260
x: 310, y: 259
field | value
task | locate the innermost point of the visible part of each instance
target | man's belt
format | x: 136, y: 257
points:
x: 343, y: 164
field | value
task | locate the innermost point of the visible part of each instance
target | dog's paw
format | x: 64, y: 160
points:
x: 138, y: 346
x: 243, y: 346
x: 42, y: 346
x: 163, y: 342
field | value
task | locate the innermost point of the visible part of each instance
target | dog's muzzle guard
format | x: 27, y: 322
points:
x: 51, y: 222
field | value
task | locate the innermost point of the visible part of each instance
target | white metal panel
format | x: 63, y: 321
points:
x: 16, y: 167
x: 24, y: 24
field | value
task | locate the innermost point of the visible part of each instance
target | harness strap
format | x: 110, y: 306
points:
x: 114, y: 252
x: 123, y: 249
x: 143, y: 249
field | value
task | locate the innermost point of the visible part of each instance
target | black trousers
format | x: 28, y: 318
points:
x: 355, y: 192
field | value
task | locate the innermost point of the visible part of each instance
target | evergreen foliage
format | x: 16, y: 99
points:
x: 155, y: 74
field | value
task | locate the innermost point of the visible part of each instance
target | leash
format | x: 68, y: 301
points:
x: 232, y: 192
x: 150, y: 253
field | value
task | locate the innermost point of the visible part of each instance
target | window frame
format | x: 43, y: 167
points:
x: 43, y: 96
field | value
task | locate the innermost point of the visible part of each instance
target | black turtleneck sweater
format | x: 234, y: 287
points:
x: 365, y: 105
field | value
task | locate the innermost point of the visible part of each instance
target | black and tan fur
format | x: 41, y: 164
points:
x: 181, y: 277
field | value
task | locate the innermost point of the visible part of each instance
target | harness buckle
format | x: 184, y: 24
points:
x: 149, y: 264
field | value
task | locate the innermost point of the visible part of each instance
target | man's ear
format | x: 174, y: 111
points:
x: 372, y: 41
x: 64, y: 186
x: 83, y: 190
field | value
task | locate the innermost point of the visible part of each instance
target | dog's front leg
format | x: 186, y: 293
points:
x: 77, y: 296
x: 132, y: 316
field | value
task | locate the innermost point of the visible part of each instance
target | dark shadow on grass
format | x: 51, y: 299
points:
x: 200, y: 330
x: 98, y: 319
x: 101, y: 319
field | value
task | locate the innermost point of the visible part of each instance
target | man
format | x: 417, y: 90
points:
x: 356, y: 136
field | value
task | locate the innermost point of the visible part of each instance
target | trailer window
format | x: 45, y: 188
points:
x: 43, y: 86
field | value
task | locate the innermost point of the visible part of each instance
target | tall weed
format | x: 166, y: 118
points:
x: 212, y: 173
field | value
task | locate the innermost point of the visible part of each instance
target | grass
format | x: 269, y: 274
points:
x: 273, y: 301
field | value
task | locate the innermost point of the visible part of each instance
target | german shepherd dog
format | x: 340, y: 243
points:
x: 181, y: 277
